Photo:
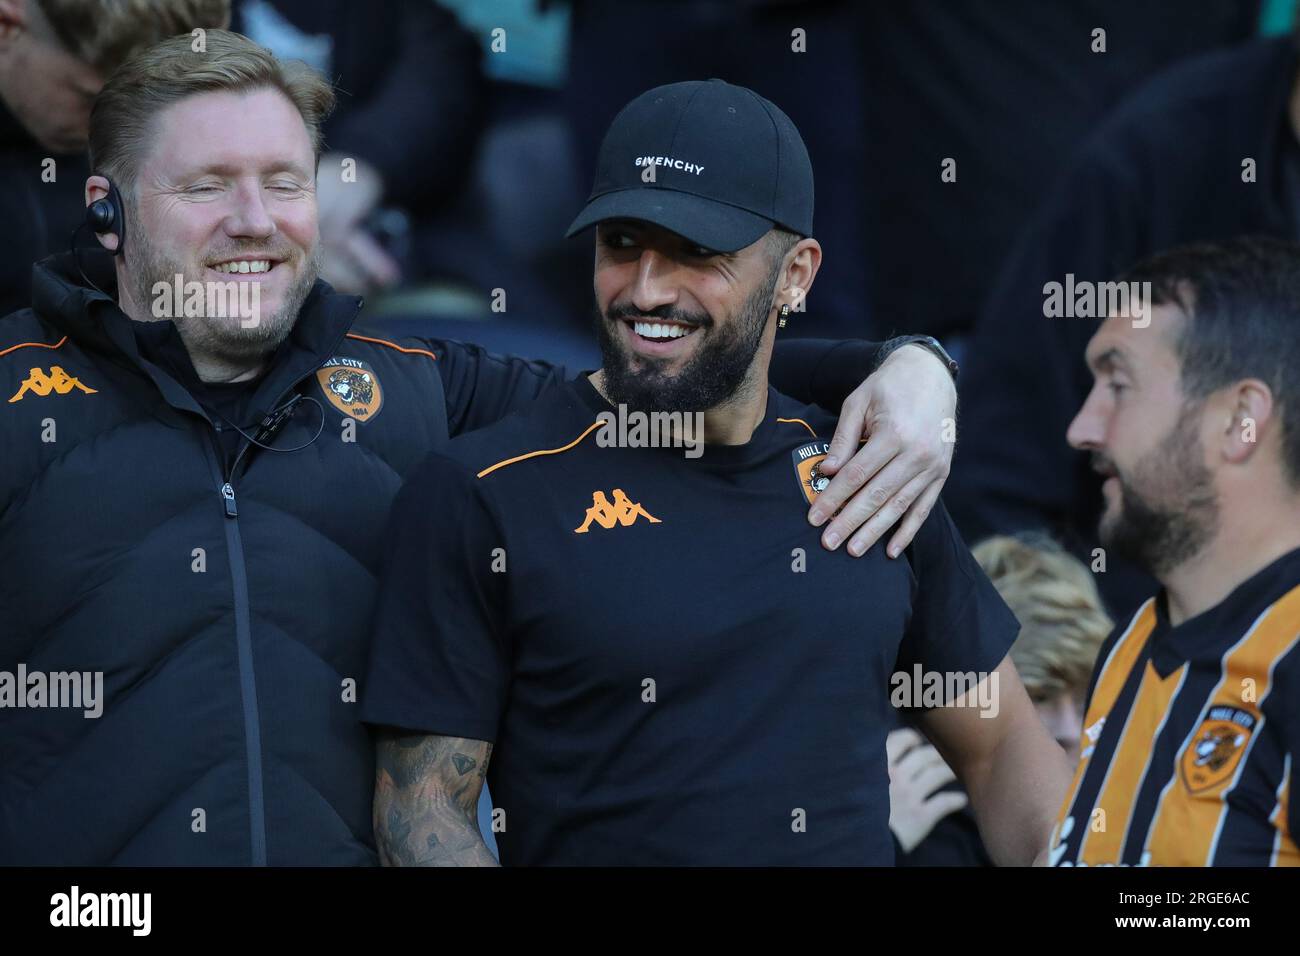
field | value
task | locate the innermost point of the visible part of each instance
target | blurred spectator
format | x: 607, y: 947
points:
x: 1007, y: 90
x: 458, y: 180
x: 1207, y: 151
x: 54, y: 56
x: 504, y: 239
x: 923, y: 790
x: 1062, y: 627
x: 409, y: 115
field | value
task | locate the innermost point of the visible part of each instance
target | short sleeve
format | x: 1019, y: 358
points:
x: 438, y: 660
x: 959, y: 621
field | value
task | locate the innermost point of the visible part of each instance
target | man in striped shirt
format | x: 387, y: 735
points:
x: 1193, y: 719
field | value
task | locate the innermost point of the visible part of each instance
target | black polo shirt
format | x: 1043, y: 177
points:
x: 671, y: 668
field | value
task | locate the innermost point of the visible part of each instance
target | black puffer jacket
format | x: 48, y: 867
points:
x: 227, y: 609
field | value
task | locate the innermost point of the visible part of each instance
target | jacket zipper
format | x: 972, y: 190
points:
x: 244, y: 647
x: 244, y: 636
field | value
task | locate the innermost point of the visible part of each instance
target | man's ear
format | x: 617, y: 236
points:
x: 13, y: 22
x: 97, y: 189
x: 1250, y: 405
x: 802, y: 262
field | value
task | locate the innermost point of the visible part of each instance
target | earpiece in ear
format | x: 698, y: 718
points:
x: 105, y: 216
x: 99, y: 216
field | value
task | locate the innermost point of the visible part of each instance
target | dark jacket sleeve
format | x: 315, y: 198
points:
x: 482, y: 387
x: 821, y: 371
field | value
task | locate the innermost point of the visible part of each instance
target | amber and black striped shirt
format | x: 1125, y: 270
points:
x: 1191, y: 736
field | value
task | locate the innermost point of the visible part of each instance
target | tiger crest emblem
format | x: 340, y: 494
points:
x: 807, y: 460
x: 816, y: 480
x: 352, y: 387
x: 1215, y: 750
x: 1217, y: 747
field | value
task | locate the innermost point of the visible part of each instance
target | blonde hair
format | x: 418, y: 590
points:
x: 105, y: 33
x: 168, y: 72
x: 1054, y: 596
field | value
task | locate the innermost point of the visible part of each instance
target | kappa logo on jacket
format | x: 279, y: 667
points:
x: 57, y: 381
x: 621, y: 512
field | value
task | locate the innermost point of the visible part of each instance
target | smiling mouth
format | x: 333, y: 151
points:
x: 659, y: 331
x: 245, y: 266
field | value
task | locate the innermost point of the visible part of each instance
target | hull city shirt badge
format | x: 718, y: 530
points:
x: 807, y: 457
x: 1213, y: 754
x: 352, y: 387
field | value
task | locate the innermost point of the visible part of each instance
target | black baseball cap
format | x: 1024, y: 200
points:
x: 727, y: 166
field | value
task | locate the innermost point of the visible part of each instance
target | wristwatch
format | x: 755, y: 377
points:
x: 925, y: 341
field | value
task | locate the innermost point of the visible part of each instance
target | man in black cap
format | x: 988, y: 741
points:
x: 617, y: 590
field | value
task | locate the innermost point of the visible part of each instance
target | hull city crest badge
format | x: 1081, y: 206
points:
x: 807, y: 457
x: 352, y: 387
x: 1214, y: 753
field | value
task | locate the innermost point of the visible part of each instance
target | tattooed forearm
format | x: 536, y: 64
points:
x: 426, y: 800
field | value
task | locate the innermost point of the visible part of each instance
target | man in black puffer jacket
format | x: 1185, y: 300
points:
x: 193, y: 499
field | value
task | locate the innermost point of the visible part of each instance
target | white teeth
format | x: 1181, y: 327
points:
x: 657, y: 330
x: 257, y: 265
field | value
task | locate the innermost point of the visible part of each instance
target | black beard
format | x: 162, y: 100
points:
x: 714, y: 375
x: 1167, y: 526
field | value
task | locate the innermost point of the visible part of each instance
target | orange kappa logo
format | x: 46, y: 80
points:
x: 622, y: 511
x: 57, y: 381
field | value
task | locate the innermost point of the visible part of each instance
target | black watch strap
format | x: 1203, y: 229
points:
x: 926, y: 341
